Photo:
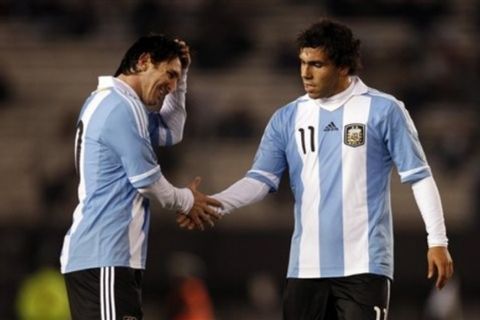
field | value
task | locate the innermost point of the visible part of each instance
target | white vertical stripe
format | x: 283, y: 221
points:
x: 112, y: 292
x: 388, y: 299
x: 139, y: 114
x: 135, y: 234
x: 354, y: 184
x: 102, y: 294
x: 309, y: 255
x: 78, y: 213
x: 107, y: 293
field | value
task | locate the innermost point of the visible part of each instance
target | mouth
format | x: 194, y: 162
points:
x: 162, y: 93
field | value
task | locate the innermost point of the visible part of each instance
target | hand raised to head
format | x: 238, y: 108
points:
x: 185, y: 58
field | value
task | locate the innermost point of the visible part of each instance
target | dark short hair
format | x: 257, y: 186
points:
x: 336, y: 40
x: 160, y: 47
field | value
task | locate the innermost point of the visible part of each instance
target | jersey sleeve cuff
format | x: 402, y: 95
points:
x: 273, y: 187
x: 146, y: 178
x: 414, y: 175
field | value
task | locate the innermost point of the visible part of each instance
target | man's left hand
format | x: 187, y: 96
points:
x: 439, y: 262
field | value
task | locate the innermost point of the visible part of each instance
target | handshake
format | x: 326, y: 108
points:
x: 205, y: 210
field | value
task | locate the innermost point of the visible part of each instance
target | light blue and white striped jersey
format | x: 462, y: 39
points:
x: 340, y: 158
x: 114, y: 157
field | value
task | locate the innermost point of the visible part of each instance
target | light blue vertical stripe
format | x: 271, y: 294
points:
x: 330, y: 211
x: 379, y: 166
x: 295, y: 168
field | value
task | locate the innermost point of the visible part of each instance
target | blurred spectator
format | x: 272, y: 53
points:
x: 6, y: 93
x: 286, y: 57
x: 222, y: 37
x: 264, y: 295
x: 421, y: 13
x: 151, y: 16
x: 58, y: 19
x: 188, y: 298
x: 451, y: 135
x: 42, y: 295
x: 237, y: 123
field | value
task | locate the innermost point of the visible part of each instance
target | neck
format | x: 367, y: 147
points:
x: 132, y: 81
x: 343, y: 84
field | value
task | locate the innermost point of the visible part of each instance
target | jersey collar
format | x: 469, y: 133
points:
x: 106, y: 82
x: 356, y: 87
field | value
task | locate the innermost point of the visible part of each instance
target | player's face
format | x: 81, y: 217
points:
x: 321, y: 78
x: 158, y: 80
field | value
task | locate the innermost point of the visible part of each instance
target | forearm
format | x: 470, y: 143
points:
x: 243, y: 192
x: 168, y: 196
x: 173, y: 112
x: 430, y: 206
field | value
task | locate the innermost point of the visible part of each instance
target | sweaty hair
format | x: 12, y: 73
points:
x: 336, y: 40
x: 159, y: 47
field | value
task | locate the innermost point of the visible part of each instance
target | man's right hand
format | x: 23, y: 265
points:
x: 203, y: 210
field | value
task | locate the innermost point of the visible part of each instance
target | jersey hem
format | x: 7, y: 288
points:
x: 86, y: 266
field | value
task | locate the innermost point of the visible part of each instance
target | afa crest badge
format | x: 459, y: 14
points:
x: 354, y: 134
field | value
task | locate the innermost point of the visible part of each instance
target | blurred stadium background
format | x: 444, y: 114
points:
x: 426, y: 52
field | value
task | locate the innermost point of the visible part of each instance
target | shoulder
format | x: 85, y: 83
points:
x: 121, y: 112
x: 287, y: 111
x: 384, y: 104
x: 383, y: 100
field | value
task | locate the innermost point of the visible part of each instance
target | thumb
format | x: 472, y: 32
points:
x: 195, y: 183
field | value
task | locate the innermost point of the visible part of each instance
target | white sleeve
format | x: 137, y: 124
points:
x: 173, y: 111
x: 430, y: 206
x: 243, y: 192
x: 169, y: 196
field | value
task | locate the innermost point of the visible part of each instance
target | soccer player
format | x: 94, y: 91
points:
x: 339, y: 143
x: 104, y: 252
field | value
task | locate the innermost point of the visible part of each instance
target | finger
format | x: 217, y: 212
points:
x: 212, y: 212
x: 188, y: 224
x: 180, y: 42
x: 450, y: 270
x: 197, y: 221
x: 441, y: 276
x: 182, y: 220
x: 441, y: 281
x: 213, y: 202
x: 181, y: 217
x: 430, y: 269
x: 208, y: 220
x: 195, y: 183
x: 185, y: 223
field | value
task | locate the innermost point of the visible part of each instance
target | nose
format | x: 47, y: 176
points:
x: 172, y: 85
x: 305, y: 72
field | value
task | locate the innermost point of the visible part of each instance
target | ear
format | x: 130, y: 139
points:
x: 344, y: 71
x: 143, y: 61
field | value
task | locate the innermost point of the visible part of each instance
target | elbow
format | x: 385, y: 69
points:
x: 177, y: 138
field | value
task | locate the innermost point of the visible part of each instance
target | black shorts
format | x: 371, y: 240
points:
x: 358, y: 297
x: 107, y: 293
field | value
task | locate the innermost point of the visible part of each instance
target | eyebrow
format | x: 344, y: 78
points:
x: 312, y: 62
x: 174, y: 73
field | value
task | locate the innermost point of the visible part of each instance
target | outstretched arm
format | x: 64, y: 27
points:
x: 439, y: 259
x: 242, y: 193
x: 198, y: 207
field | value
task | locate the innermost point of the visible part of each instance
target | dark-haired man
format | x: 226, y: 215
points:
x: 104, y: 251
x: 339, y: 143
